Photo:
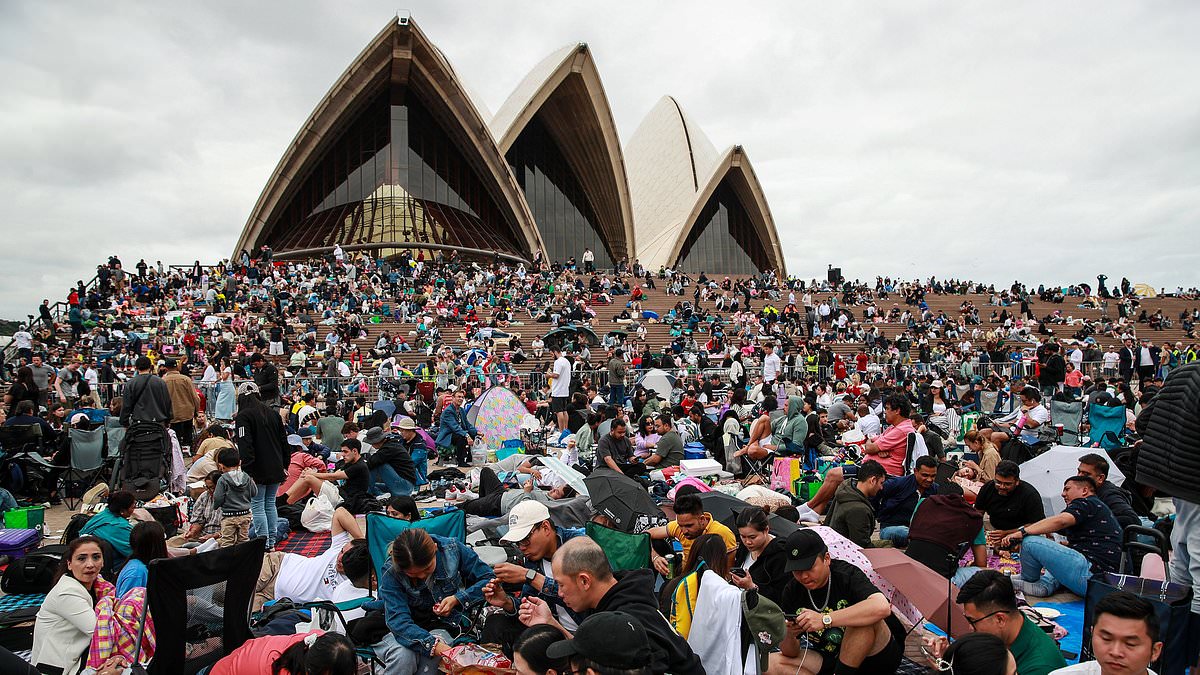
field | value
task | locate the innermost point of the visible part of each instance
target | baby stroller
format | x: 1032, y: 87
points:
x: 144, y: 466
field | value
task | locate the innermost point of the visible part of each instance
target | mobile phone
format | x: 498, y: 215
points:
x: 738, y: 572
x: 790, y: 617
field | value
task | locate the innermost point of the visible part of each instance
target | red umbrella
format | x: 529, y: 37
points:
x: 931, y: 593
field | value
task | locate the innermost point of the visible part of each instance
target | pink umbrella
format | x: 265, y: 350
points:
x: 929, y: 592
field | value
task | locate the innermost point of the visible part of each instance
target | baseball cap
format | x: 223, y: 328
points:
x: 523, y: 518
x: 804, y: 546
x: 609, y: 639
x: 936, y: 383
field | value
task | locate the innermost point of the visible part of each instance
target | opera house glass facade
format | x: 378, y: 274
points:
x: 556, y: 198
x: 398, y: 156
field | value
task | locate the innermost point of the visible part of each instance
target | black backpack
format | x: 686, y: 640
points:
x: 35, y: 572
x: 71, y: 532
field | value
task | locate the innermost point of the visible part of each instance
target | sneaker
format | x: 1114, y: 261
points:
x: 1031, y: 589
x: 468, y: 495
x: 95, y: 493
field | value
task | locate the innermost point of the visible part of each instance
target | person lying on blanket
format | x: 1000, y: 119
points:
x: 302, y: 579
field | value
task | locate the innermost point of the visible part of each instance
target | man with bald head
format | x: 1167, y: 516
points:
x: 587, y: 585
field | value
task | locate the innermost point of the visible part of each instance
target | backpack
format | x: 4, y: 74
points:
x: 71, y: 532
x: 34, y: 573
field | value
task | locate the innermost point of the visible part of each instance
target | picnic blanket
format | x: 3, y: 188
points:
x: 19, y: 608
x: 1007, y: 562
x: 1070, y: 618
x: 307, y: 544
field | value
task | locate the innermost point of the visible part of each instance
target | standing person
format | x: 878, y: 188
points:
x: 145, y: 397
x: 234, y: 494
x: 843, y: 613
x: 266, y: 376
x: 560, y: 386
x: 185, y: 403
x: 43, y: 376
x: 66, y: 383
x: 454, y: 431
x: 262, y: 445
x: 616, y: 378
x: 589, y: 261
x: 1126, y: 638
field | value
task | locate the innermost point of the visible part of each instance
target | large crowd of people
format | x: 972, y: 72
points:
x: 349, y: 378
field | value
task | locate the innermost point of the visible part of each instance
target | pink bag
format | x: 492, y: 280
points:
x: 783, y: 472
x: 690, y: 480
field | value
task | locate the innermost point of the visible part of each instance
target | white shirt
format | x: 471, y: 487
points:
x: 1111, y: 359
x: 23, y: 339
x: 771, y: 367
x: 560, y: 386
x: 310, y: 579
x: 1085, y: 668
x: 869, y: 425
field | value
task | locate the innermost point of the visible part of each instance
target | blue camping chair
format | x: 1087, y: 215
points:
x: 382, y: 531
x: 1108, y: 425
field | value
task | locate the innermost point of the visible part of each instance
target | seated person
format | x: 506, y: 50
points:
x: 299, y: 462
x: 403, y: 507
x: 424, y: 589
x: 898, y: 499
x: 418, y: 450
x: 311, y: 652
x: 614, y: 451
x: 1008, y: 502
x: 354, y: 493
x: 303, y: 579
x: 67, y: 618
x: 691, y: 522
x: 204, y: 518
x: 762, y: 555
x: 1116, y: 499
x: 529, y: 651
x: 112, y: 524
x: 1126, y: 638
x: 1093, y: 538
x: 990, y: 605
x: 607, y: 642
x: 973, y: 474
x: 1024, y: 421
x: 851, y: 513
x: 845, y: 617
x: 391, y: 466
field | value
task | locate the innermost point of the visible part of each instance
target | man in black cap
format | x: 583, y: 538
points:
x: 843, y: 614
x: 605, y: 642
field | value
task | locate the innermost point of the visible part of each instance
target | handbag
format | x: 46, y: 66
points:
x: 318, y: 514
x: 1179, y: 629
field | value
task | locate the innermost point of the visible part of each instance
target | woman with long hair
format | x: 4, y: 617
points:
x: 223, y: 409
x: 646, y: 439
x: 67, y: 618
x: 148, y: 541
x: 677, y: 599
x: 761, y: 557
x: 311, y: 653
x: 978, y: 654
x: 22, y: 389
x: 974, y: 473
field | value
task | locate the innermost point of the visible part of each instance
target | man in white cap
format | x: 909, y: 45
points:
x: 538, y: 539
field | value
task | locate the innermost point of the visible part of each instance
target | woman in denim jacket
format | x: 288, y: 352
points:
x: 425, y: 587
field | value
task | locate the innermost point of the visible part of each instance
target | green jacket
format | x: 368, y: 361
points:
x: 852, y: 515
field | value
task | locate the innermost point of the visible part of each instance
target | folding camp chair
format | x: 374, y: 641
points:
x: 1107, y: 426
x: 87, y: 458
x: 1070, y: 416
x: 988, y: 402
x: 21, y: 438
x: 383, y: 529
x: 624, y: 551
x: 201, y: 606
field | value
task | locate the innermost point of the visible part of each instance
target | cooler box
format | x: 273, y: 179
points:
x: 26, y: 518
x: 700, y: 467
x: 695, y: 451
x: 16, y: 543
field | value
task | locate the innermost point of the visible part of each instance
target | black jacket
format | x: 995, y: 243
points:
x: 769, y: 573
x: 146, y: 400
x: 1169, y: 456
x: 1120, y: 503
x: 393, y: 451
x: 634, y: 595
x: 262, y: 442
x: 267, y: 379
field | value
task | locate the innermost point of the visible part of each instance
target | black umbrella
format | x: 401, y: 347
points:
x: 571, y: 333
x: 624, y: 500
x: 725, y: 509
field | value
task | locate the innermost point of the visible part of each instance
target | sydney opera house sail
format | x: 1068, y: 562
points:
x: 395, y: 156
x: 398, y: 156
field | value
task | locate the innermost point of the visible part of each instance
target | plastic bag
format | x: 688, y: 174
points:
x: 318, y: 514
x: 477, y: 659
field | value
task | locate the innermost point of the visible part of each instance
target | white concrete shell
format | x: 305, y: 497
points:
x: 566, y: 92
x: 673, y: 171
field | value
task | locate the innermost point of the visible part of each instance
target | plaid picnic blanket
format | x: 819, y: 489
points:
x: 1007, y: 562
x: 307, y: 544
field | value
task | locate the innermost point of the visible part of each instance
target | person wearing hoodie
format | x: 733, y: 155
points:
x: 233, y: 495
x: 262, y: 445
x: 794, y: 429
x: 851, y: 514
x: 760, y: 555
x: 587, y: 585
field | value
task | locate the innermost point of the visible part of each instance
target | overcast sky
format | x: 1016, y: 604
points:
x: 1031, y: 140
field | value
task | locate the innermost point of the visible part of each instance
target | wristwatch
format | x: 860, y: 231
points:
x: 827, y: 620
x: 530, y: 575
x: 1021, y: 529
